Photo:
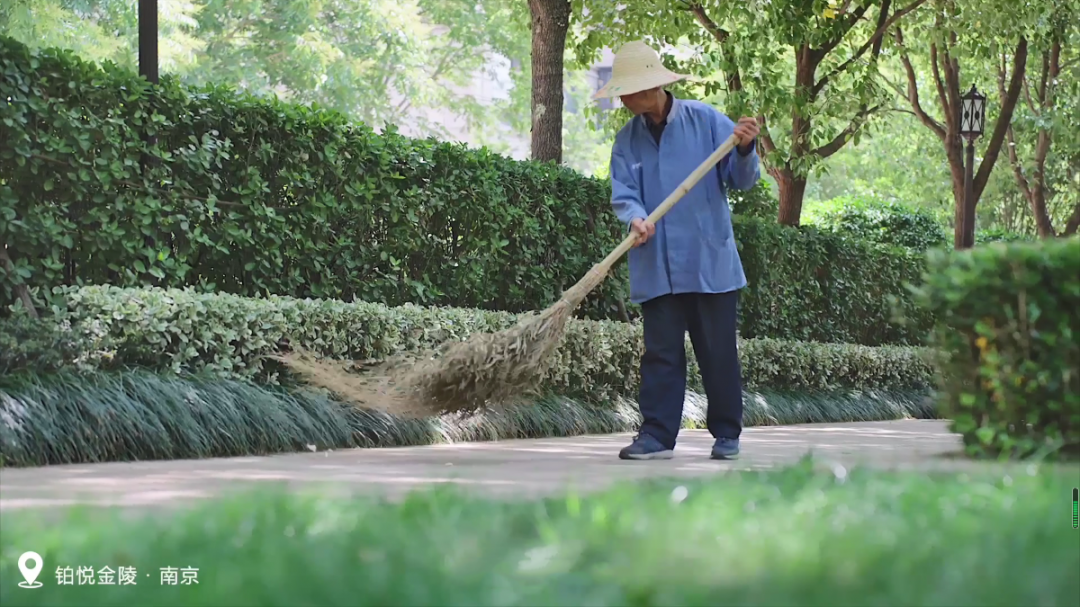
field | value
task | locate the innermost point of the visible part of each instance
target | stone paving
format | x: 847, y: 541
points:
x: 513, y: 468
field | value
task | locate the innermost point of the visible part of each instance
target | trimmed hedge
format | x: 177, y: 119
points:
x: 1008, y: 336
x: 809, y: 285
x: 188, y: 331
x: 172, y: 374
x: 138, y: 415
x: 253, y: 196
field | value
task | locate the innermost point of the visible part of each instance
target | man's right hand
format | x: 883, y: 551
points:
x: 644, y: 230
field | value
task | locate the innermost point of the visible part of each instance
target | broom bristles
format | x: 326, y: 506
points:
x: 486, y: 369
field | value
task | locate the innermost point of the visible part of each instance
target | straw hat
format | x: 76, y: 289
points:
x: 636, y: 68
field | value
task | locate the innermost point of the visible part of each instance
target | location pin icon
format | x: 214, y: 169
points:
x: 30, y: 573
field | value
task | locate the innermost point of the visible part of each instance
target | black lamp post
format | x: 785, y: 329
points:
x: 148, y: 40
x: 148, y: 55
x: 972, y: 121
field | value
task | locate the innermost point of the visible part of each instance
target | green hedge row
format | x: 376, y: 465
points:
x: 71, y: 417
x: 187, y: 331
x: 253, y: 196
x: 1008, y: 334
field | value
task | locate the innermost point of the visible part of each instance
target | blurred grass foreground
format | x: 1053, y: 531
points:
x: 792, y: 537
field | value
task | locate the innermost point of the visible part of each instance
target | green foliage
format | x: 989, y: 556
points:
x: 255, y: 196
x: 184, y: 331
x: 999, y: 235
x: 1008, y: 336
x: 758, y: 202
x: 884, y: 221
x: 809, y: 285
x: 743, y: 55
x: 806, y: 534
x: 41, y: 346
x: 150, y: 416
x: 379, y: 61
x: 252, y: 197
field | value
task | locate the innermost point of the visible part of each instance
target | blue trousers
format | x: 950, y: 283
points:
x: 711, y: 320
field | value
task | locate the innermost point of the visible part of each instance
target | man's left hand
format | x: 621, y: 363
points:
x: 747, y: 130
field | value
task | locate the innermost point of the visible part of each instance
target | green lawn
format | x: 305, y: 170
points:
x: 795, y: 537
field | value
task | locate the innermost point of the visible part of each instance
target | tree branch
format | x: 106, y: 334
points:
x: 913, y: 91
x: 852, y: 18
x: 874, y: 41
x: 710, y: 26
x: 767, y: 144
x: 1004, y: 119
x: 1041, y: 93
x: 901, y: 111
x: 1027, y: 88
x: 1051, y: 67
x: 1014, y: 157
x: 734, y: 78
x: 952, y: 80
x: 838, y: 142
x: 943, y: 98
x: 1014, y: 160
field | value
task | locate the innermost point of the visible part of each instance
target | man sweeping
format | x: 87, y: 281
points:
x: 685, y: 271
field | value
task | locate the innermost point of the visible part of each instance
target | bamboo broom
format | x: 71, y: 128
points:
x: 486, y: 368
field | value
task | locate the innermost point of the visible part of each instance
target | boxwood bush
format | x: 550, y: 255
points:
x: 186, y: 331
x: 1008, y: 336
x: 253, y: 196
x: 119, y: 374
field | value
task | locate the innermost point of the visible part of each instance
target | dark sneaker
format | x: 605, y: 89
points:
x: 726, y: 448
x: 645, y: 447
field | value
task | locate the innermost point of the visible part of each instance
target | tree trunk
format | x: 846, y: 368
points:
x: 792, y: 189
x: 1073, y: 223
x: 955, y: 156
x: 792, y: 186
x: 550, y: 20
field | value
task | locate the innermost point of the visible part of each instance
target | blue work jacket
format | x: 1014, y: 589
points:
x: 693, y: 249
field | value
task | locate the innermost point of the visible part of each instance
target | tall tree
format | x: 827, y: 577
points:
x: 1049, y: 115
x: 974, y: 35
x: 807, y: 70
x: 550, y: 21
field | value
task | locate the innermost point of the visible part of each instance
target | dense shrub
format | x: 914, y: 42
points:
x: 253, y: 196
x: 809, y: 285
x: 1000, y: 235
x: 758, y: 202
x: 228, y: 335
x: 884, y: 221
x: 1008, y: 337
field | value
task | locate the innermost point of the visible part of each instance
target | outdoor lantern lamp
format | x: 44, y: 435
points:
x: 972, y: 114
x: 972, y: 121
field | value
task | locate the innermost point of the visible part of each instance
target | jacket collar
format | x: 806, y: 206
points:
x: 676, y: 105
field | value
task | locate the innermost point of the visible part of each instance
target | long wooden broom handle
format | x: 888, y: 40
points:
x: 687, y: 184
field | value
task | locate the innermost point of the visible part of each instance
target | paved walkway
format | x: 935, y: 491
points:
x: 518, y: 468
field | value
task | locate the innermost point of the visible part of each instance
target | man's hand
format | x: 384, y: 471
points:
x: 747, y: 130
x: 644, y: 229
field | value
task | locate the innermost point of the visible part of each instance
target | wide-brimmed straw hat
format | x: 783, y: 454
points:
x: 636, y: 68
